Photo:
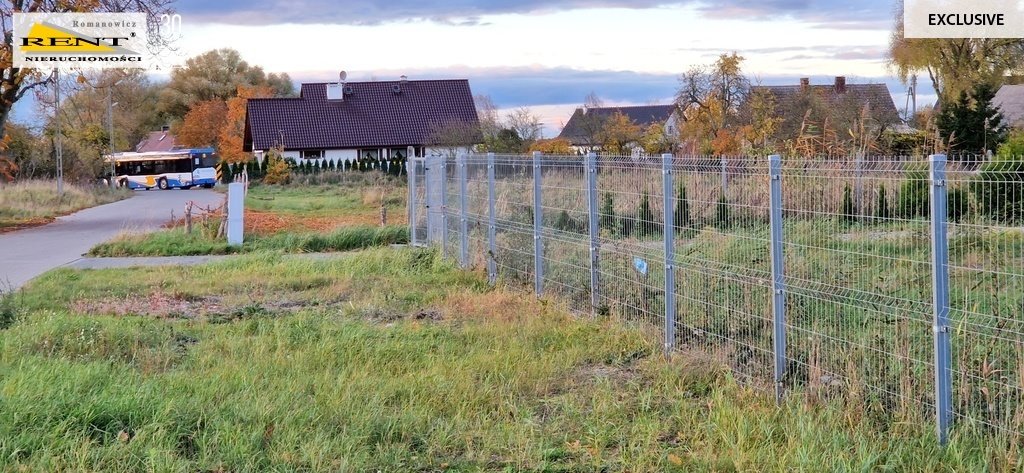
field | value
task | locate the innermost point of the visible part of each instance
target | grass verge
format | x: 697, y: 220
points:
x: 29, y: 203
x: 175, y: 242
x: 392, y: 360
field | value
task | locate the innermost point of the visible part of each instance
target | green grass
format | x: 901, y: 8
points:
x: 175, y: 242
x: 392, y: 360
x: 33, y: 202
x: 357, y: 193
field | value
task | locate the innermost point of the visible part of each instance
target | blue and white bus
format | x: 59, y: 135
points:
x: 183, y: 169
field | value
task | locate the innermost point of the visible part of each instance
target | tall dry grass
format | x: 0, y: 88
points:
x: 36, y: 201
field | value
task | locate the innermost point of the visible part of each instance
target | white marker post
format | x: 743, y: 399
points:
x: 236, y: 212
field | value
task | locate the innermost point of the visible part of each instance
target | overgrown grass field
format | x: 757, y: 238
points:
x: 27, y: 203
x: 390, y: 360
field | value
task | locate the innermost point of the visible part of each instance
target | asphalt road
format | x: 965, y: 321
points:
x: 25, y: 254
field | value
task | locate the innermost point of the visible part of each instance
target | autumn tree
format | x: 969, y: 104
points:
x: 232, y: 133
x: 710, y: 97
x: 202, y: 124
x: 16, y: 82
x: 618, y: 133
x: 216, y: 74
x: 453, y: 136
x: 556, y: 146
x: 953, y: 65
x: 655, y: 140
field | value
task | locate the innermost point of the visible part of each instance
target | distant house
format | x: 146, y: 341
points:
x: 840, y: 103
x: 1010, y: 100
x: 345, y: 121
x: 162, y: 140
x: 583, y: 126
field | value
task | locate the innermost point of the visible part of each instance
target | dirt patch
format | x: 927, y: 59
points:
x: 427, y: 314
x: 23, y: 224
x: 268, y: 223
x: 159, y: 305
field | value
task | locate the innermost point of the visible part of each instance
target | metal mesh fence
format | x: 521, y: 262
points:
x: 826, y: 276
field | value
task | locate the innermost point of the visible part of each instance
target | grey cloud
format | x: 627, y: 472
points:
x: 863, y: 14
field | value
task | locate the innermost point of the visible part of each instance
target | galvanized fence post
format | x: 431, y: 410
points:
x: 463, y: 212
x: 940, y: 298
x: 778, y: 275
x: 669, y: 235
x: 411, y: 172
x: 859, y: 186
x: 590, y: 163
x: 444, y: 208
x: 538, y: 222
x: 492, y: 230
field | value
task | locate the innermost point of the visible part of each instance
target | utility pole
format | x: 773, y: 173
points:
x: 110, y: 135
x: 59, y: 145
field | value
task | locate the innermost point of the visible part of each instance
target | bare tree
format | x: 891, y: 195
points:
x: 525, y: 123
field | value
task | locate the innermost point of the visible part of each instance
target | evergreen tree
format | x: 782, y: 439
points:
x: 882, y: 207
x: 682, y: 212
x: 644, y: 217
x: 849, y: 210
x: 971, y: 124
x: 606, y: 220
x: 722, y: 216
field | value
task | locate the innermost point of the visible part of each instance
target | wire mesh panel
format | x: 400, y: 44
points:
x: 631, y: 274
x: 858, y: 281
x: 564, y: 233
x: 514, y: 216
x: 986, y: 269
x: 858, y: 297
x: 723, y: 272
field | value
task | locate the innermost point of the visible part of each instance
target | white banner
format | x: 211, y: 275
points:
x: 963, y: 19
x: 81, y: 41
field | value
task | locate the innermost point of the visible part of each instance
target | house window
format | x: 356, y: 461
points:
x: 312, y: 154
x: 371, y: 154
x: 398, y: 153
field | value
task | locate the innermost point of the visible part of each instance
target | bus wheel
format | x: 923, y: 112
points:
x: 162, y: 184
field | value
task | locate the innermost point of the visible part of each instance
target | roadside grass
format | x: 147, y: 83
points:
x: 28, y: 203
x: 294, y: 218
x: 393, y: 360
x: 175, y: 242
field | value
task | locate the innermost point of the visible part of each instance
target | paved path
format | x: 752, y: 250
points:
x: 25, y: 254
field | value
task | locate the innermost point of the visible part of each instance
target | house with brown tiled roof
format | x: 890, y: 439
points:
x: 839, y: 103
x: 364, y: 120
x: 583, y: 126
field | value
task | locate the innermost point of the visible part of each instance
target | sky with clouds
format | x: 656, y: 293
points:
x: 549, y: 54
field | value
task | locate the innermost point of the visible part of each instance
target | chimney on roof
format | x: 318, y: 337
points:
x: 840, y: 85
x: 805, y: 82
x: 403, y: 78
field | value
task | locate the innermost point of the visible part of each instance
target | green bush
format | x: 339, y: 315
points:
x: 607, y: 219
x: 999, y: 190
x: 645, y: 217
x: 882, y: 211
x: 682, y: 211
x: 722, y: 217
x: 913, y: 199
x: 849, y: 210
